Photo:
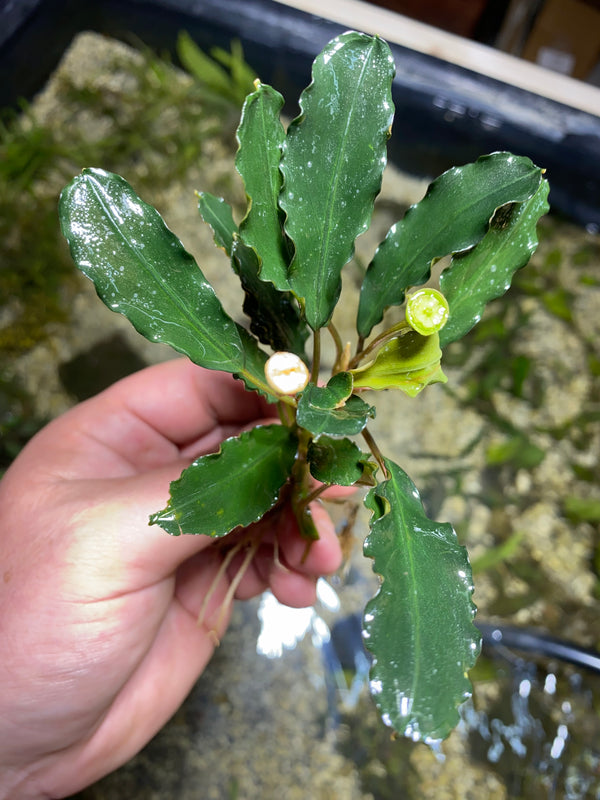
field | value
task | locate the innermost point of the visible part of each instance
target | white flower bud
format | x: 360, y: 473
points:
x: 286, y: 373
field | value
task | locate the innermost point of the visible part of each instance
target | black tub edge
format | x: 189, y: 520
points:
x: 445, y: 114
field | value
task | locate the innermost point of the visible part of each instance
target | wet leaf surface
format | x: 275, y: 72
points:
x: 334, y: 156
x: 419, y: 626
x: 233, y: 487
x: 453, y: 216
x: 332, y: 409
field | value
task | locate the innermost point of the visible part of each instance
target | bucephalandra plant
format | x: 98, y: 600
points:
x: 311, y: 191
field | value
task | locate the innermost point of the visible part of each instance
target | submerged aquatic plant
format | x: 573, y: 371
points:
x: 311, y: 191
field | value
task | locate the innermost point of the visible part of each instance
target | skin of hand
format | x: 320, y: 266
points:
x: 99, y: 634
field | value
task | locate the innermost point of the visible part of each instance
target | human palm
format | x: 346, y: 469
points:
x: 99, y: 612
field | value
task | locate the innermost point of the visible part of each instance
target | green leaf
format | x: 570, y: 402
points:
x: 408, y: 362
x: 230, y: 87
x: 453, y: 216
x: 518, y: 451
x: 333, y: 409
x: 140, y: 269
x: 334, y: 155
x: 419, y: 626
x: 486, y: 271
x: 242, y: 74
x: 275, y: 318
x: 260, y: 137
x: 217, y: 213
x: 339, y: 461
x: 233, y: 487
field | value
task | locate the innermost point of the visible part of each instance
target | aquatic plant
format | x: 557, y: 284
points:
x: 311, y: 190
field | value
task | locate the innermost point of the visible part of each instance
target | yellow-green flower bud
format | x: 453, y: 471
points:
x: 427, y: 311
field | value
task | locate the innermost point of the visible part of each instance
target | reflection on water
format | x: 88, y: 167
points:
x: 532, y: 722
x: 345, y: 661
x: 281, y: 627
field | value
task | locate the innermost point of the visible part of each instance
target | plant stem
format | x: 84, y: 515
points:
x: 377, y: 454
x: 264, y: 387
x: 339, y: 347
x: 317, y: 492
x: 316, y: 364
x: 391, y: 333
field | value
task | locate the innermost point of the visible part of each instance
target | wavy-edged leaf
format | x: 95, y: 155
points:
x: 274, y: 316
x: 419, y: 626
x: 233, y: 487
x: 217, y: 213
x: 141, y: 270
x: 334, y: 155
x: 339, y: 461
x: 409, y: 362
x: 260, y: 138
x: 485, y: 272
x: 453, y: 216
x: 333, y: 409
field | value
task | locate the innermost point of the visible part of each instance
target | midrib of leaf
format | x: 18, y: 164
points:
x: 334, y: 187
x: 414, y: 603
x: 263, y: 143
x: 192, y: 318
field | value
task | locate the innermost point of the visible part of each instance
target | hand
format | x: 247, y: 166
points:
x: 98, y: 611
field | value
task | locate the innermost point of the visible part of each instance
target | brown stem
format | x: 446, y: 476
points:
x: 377, y: 455
x: 314, y: 495
x: 316, y: 364
x: 339, y: 347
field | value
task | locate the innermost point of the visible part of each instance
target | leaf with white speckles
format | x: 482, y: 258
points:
x: 333, y: 160
x: 486, y: 271
x: 453, y: 216
x: 419, y: 626
x: 140, y: 269
x: 233, y: 487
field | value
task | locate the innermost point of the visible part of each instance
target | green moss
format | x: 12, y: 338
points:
x: 155, y: 126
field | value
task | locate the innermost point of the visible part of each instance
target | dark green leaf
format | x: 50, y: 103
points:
x: 409, y: 362
x: 338, y: 461
x: 233, y: 487
x: 141, y: 270
x: 332, y: 409
x: 217, y: 213
x: 453, y: 216
x: 275, y: 318
x: 419, y: 626
x: 260, y: 136
x: 486, y: 271
x: 334, y: 156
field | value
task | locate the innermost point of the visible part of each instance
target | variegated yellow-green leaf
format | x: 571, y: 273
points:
x: 408, y: 362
